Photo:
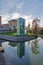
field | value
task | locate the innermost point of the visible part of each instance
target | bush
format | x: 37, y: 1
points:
x: 41, y: 32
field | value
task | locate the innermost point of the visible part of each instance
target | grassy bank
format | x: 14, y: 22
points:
x: 15, y: 34
x: 30, y: 33
x: 9, y: 33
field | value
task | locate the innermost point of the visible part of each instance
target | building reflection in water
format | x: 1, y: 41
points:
x: 35, y: 47
x: 21, y: 49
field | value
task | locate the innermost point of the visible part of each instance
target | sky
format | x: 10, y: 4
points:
x: 28, y: 9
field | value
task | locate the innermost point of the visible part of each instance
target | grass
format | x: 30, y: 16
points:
x: 30, y: 33
x: 15, y: 34
x: 9, y: 33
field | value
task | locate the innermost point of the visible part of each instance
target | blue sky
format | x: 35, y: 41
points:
x: 27, y: 8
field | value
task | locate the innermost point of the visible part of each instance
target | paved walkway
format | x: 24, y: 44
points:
x: 2, y: 60
x: 16, y: 38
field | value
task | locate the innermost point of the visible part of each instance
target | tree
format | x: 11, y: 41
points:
x: 41, y: 32
x: 28, y: 27
x: 35, y: 25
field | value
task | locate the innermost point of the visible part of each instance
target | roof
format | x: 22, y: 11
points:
x: 12, y: 20
x: 4, y: 25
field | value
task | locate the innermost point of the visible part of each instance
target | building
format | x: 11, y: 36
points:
x: 13, y: 23
x: 4, y: 28
x: 0, y: 20
x: 21, y: 26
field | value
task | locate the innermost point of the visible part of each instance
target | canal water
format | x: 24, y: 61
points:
x: 22, y: 53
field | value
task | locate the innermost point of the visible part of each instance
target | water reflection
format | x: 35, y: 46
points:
x: 22, y: 53
x: 35, y: 47
x: 41, y: 36
x: 2, y: 59
x: 21, y: 49
x: 13, y: 44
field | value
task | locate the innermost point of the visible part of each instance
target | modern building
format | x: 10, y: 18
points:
x: 21, y: 26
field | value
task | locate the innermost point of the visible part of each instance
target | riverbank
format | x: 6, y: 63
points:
x: 17, y: 38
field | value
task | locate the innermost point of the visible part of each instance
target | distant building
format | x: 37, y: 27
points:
x: 21, y: 26
x: 13, y: 24
x: 10, y: 26
x: 4, y: 28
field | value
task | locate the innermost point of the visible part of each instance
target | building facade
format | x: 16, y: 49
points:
x: 21, y: 26
x: 13, y: 24
x: 5, y: 28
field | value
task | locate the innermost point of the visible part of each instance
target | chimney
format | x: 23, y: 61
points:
x: 0, y: 20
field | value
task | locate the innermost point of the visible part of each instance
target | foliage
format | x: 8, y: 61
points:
x: 35, y: 25
x: 41, y: 32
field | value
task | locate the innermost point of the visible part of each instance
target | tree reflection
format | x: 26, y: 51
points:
x: 20, y: 49
x: 35, y: 47
x: 41, y: 36
x: 12, y: 44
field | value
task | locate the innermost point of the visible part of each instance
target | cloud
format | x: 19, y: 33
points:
x: 28, y: 18
x: 19, y: 7
x: 15, y: 15
x: 5, y: 18
x: 8, y: 5
x: 41, y: 21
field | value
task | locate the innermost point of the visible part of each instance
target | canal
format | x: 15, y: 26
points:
x: 22, y: 53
